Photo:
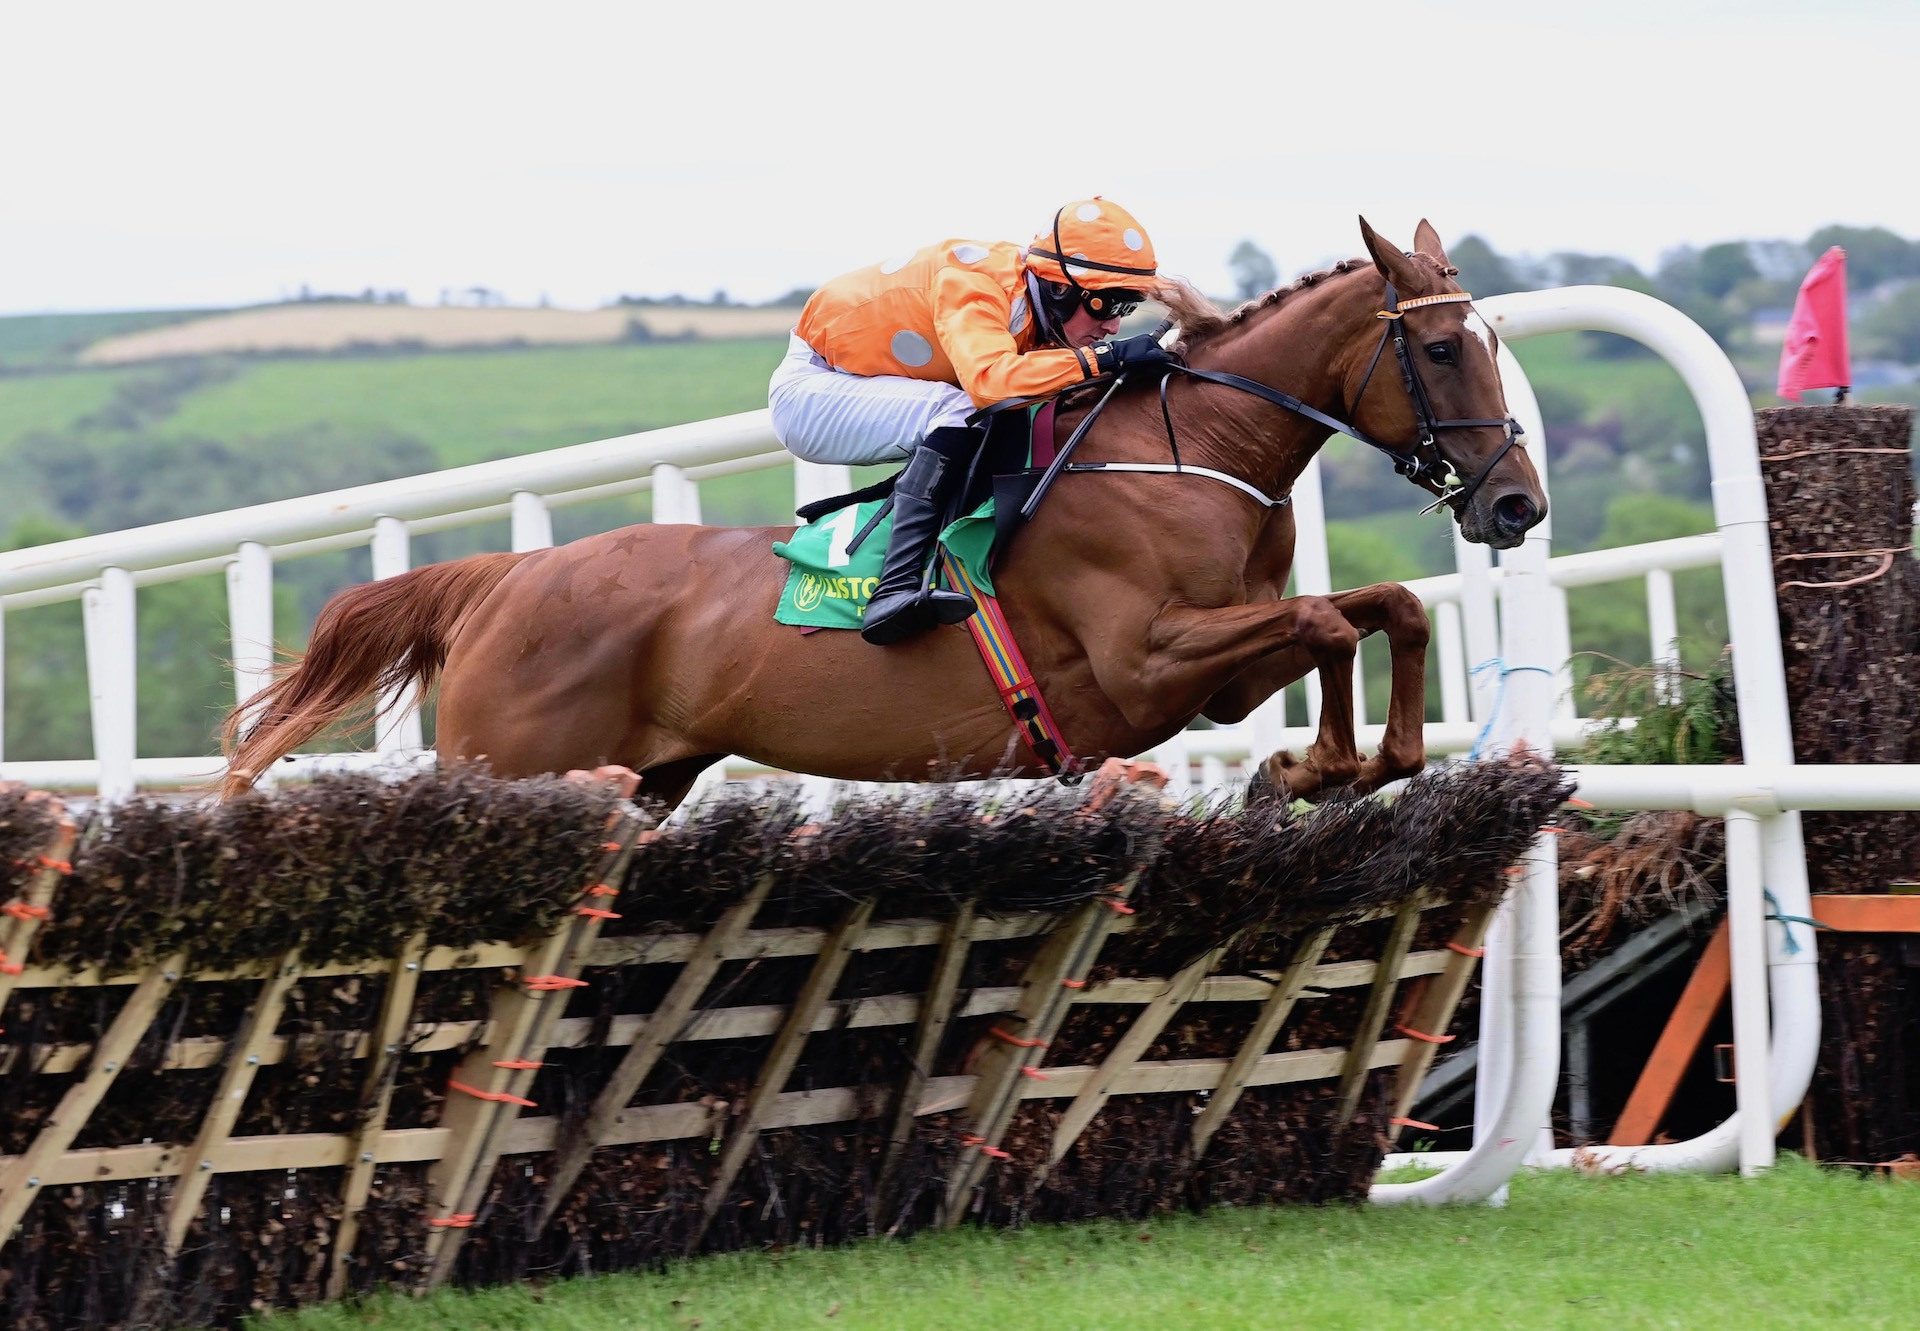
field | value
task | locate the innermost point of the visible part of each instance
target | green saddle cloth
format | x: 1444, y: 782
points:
x: 828, y: 585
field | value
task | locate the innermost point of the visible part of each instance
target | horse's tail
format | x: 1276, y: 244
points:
x: 369, y: 640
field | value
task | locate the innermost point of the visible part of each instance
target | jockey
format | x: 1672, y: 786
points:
x: 888, y: 362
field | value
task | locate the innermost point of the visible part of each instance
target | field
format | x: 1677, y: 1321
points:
x: 1800, y: 1247
x: 324, y: 326
x: 476, y: 405
x: 46, y: 339
x: 40, y: 403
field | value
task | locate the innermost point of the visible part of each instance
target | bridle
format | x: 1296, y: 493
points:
x: 1423, y: 463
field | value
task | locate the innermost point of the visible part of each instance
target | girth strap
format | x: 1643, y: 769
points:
x: 1013, y: 679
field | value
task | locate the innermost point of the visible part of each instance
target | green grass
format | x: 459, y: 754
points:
x: 471, y: 406
x: 48, y: 339
x: 1801, y: 1247
x: 1606, y: 385
x: 51, y: 402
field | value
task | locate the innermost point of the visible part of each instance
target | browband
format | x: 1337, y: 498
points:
x: 1444, y: 298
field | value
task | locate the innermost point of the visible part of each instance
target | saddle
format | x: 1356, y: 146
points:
x: 1015, y: 449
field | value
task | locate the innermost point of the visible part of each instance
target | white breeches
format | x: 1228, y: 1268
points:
x: 826, y: 415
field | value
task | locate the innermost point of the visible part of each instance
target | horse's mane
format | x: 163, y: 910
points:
x: 1201, y: 320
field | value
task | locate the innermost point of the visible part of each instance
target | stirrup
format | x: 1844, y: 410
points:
x: 913, y: 613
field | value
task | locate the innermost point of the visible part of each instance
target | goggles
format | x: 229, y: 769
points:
x: 1114, y: 304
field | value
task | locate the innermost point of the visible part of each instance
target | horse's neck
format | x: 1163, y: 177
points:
x: 1299, y: 346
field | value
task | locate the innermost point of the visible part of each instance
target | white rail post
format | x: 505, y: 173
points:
x: 675, y: 498
x: 111, y: 631
x: 1481, y: 622
x: 814, y: 481
x: 1312, y: 569
x: 3, y: 680
x: 1451, y: 650
x: 1740, y: 513
x: 1564, y: 704
x: 1663, y: 626
x: 1176, y: 755
x: 532, y: 522
x: 398, y: 730
x: 1213, y: 772
x: 1534, y: 721
x: 1746, y: 937
x: 250, y: 619
x: 1526, y: 597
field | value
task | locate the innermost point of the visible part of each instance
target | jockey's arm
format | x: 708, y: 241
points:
x: 970, y: 317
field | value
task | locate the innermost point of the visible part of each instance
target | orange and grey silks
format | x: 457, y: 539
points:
x: 958, y: 312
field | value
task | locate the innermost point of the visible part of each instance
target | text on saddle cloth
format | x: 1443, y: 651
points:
x: 830, y: 578
x: 834, y: 560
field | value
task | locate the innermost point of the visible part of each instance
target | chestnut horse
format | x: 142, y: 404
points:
x: 1141, y: 601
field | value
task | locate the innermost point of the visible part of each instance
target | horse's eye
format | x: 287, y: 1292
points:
x: 1440, y: 353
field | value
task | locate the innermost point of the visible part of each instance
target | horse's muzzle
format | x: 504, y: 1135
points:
x: 1510, y: 517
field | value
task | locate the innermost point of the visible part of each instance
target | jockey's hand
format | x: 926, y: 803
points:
x: 1141, y: 351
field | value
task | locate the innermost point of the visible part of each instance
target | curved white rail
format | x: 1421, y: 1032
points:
x: 1776, y: 849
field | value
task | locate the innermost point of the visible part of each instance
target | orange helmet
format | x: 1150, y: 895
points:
x: 1094, y: 245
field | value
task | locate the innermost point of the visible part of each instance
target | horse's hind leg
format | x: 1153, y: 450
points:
x: 669, y: 783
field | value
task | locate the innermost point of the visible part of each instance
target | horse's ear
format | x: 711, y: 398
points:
x: 1427, y: 241
x: 1385, y: 257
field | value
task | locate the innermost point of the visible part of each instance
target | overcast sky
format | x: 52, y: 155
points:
x: 183, y: 154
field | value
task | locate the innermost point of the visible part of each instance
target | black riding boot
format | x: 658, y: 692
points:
x: 905, y: 601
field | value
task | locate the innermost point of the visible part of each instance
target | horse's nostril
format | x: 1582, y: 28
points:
x: 1514, y: 511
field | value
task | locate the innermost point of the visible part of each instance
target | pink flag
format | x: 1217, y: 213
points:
x: 1815, y: 352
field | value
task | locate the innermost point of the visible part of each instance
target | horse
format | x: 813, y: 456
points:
x: 1142, y: 599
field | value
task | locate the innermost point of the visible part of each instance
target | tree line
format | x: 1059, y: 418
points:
x: 1722, y: 287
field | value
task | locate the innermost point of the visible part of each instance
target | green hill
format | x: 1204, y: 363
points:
x: 470, y: 406
x: 28, y: 340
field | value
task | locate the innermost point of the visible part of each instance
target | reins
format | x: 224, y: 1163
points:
x: 1423, y: 464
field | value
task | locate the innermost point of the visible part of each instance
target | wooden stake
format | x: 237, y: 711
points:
x: 1126, y: 1052
x: 936, y: 1014
x: 22, y: 1182
x: 667, y: 1023
x: 1273, y: 1015
x: 500, y: 1072
x: 36, y: 898
x: 396, y: 1013
x: 1353, y: 1076
x: 1678, y: 1043
x: 1068, y: 954
x: 1434, y: 1012
x: 243, y: 1059
x: 780, y: 1060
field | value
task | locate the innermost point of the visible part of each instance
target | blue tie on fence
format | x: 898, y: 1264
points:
x: 1499, y: 697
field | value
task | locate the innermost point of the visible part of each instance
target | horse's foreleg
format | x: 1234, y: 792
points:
x: 1383, y: 608
x: 1333, y: 759
x: 1191, y: 654
x: 1389, y: 608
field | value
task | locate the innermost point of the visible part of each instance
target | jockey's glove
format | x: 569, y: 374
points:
x: 1142, y: 350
